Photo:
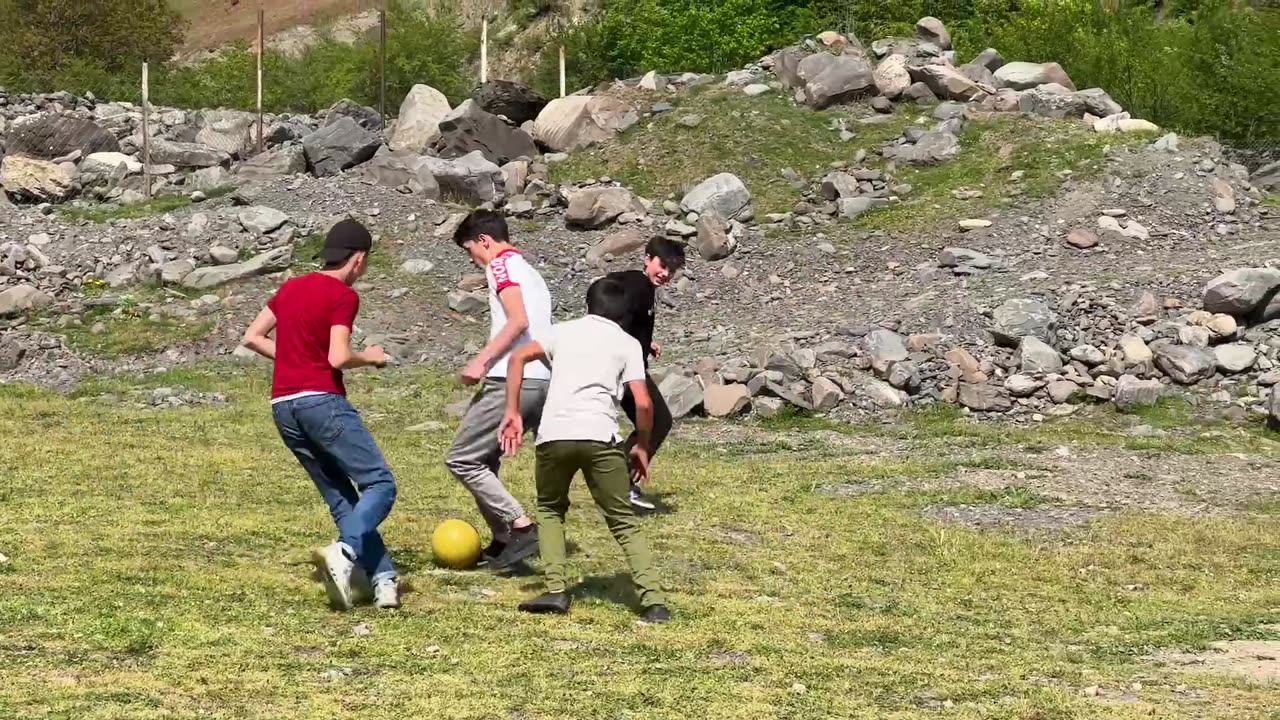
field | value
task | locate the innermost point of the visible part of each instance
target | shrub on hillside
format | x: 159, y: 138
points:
x: 44, y: 42
x: 1211, y: 69
x: 1199, y: 66
x: 421, y: 48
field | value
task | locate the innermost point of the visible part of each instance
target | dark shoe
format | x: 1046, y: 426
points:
x: 523, y: 543
x: 655, y: 614
x: 555, y: 603
x: 638, y: 500
x: 492, y: 552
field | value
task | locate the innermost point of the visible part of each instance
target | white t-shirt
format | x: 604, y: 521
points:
x: 510, y: 269
x: 592, y: 360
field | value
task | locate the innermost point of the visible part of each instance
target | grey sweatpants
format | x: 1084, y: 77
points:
x: 476, y: 455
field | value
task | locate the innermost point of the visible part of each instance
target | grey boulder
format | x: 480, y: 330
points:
x: 1019, y: 318
x: 49, y: 137
x: 1185, y: 364
x: 723, y: 194
x: 280, y: 162
x: 271, y: 261
x: 468, y: 128
x: 1241, y: 292
x: 339, y: 146
x: 471, y: 178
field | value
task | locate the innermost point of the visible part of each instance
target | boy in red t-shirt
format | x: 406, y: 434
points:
x: 312, y: 316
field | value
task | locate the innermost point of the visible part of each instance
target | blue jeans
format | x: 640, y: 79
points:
x: 328, y: 437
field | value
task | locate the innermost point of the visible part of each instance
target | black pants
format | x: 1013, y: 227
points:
x: 661, y: 417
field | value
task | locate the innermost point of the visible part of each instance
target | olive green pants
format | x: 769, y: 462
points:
x: 605, y: 468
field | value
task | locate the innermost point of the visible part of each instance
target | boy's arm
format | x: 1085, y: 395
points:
x: 517, y: 323
x: 341, y: 357
x: 256, y: 337
x: 511, y: 430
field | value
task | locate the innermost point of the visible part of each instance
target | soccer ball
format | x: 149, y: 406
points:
x: 456, y: 544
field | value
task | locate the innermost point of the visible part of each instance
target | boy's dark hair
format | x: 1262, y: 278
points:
x: 481, y: 222
x: 607, y: 298
x: 670, y: 252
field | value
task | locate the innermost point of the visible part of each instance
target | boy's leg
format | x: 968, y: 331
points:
x: 475, y: 456
x: 557, y: 463
x: 608, y: 478
x: 662, y: 422
x: 375, y: 561
x: 347, y: 447
x: 337, y: 560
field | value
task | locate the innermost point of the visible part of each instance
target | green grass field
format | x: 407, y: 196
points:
x: 158, y: 569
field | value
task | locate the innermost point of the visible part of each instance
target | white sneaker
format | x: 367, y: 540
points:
x: 386, y: 594
x: 361, y: 588
x: 638, y: 501
x: 336, y: 569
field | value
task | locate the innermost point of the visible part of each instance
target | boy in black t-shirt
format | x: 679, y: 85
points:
x: 663, y: 259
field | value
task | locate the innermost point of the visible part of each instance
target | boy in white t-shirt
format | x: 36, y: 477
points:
x: 520, y: 312
x: 592, y: 361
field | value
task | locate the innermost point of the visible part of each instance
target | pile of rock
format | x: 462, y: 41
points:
x: 1041, y: 362
x: 59, y: 146
x: 834, y: 68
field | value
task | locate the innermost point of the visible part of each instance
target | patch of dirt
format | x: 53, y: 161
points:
x: 1111, y: 478
x: 218, y: 22
x: 1051, y: 519
x: 1254, y: 660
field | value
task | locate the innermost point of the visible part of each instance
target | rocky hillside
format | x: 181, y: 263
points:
x: 869, y: 228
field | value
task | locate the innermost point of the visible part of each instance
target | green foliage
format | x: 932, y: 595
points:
x: 82, y: 46
x: 1197, y: 66
x: 635, y: 36
x: 1210, y: 69
x: 421, y: 48
x: 587, y: 61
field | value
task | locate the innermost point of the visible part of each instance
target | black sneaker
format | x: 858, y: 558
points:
x: 555, y: 603
x: 492, y: 552
x: 522, y: 544
x: 655, y: 614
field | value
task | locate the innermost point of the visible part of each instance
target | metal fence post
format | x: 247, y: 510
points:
x: 382, y: 63
x: 146, y: 132
x: 484, y: 50
x: 261, y: 50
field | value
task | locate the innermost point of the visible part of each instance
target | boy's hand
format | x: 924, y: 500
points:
x: 376, y: 356
x: 511, y: 433
x: 474, y: 371
x: 639, y: 465
x: 656, y: 348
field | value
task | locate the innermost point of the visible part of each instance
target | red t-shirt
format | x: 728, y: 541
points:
x: 306, y: 308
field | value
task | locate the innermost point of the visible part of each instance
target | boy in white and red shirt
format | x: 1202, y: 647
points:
x: 312, y: 316
x: 519, y: 312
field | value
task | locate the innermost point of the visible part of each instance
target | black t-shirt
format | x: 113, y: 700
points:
x: 639, y: 323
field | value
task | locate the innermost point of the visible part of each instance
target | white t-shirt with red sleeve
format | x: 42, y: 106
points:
x: 508, y: 270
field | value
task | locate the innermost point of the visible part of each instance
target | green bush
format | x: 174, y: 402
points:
x: 1211, y: 69
x: 1197, y: 66
x: 421, y: 48
x: 44, y: 41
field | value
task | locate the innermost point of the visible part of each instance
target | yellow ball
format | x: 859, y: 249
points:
x: 456, y: 544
